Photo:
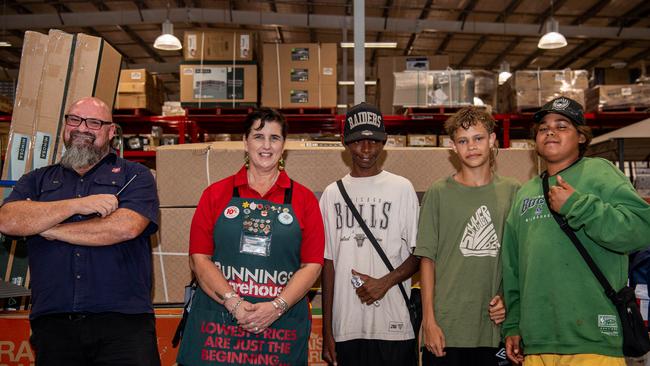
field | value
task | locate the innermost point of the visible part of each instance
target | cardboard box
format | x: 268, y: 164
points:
x: 138, y: 89
x: 522, y: 144
x: 603, y: 97
x: 218, y: 84
x: 396, y: 141
x: 218, y: 45
x: 612, y: 76
x: 485, y: 88
x: 434, y: 88
x: 199, y: 165
x: 386, y: 66
x: 299, y: 75
x: 422, y: 140
x: 445, y: 141
x: 558, y: 80
x: 51, y: 105
x: 25, y: 112
x: 95, y: 72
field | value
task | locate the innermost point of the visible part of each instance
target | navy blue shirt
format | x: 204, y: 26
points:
x: 74, y: 278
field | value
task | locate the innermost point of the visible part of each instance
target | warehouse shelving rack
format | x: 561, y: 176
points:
x: 190, y: 128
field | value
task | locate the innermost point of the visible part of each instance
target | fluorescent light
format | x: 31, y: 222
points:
x: 341, y: 106
x: 553, y: 38
x: 371, y: 45
x: 5, y: 44
x: 167, y: 41
x: 367, y: 82
x: 504, y: 72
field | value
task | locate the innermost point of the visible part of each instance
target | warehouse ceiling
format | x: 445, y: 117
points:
x: 474, y: 34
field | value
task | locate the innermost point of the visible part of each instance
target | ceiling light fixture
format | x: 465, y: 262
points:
x: 504, y: 72
x: 553, y: 38
x: 371, y: 45
x: 167, y: 41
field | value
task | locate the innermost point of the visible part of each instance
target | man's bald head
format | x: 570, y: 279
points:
x: 96, y: 107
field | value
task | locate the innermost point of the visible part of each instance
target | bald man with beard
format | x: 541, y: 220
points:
x: 89, y: 251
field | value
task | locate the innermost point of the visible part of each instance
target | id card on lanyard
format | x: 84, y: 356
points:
x: 256, y: 234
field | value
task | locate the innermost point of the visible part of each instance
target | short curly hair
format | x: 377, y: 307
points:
x: 467, y: 117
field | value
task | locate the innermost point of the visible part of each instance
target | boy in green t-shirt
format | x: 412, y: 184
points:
x: 459, y: 240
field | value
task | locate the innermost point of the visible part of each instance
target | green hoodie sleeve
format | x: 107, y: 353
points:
x: 510, y: 258
x: 611, y: 214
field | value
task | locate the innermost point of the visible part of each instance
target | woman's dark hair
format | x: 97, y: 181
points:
x: 265, y: 115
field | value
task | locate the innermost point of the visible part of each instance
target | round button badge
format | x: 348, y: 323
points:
x: 231, y: 212
x: 285, y: 218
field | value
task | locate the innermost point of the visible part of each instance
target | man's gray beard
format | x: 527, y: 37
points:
x: 82, y: 156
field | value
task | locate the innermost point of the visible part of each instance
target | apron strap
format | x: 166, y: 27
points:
x: 288, y: 193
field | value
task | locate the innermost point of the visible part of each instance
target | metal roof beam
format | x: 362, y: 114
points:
x: 423, y: 15
x: 244, y: 17
x: 609, y: 53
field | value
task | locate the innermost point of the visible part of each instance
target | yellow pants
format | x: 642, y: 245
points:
x: 585, y: 359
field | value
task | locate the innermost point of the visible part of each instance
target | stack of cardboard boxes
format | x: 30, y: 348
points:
x: 219, y: 68
x: 614, y: 89
x: 299, y: 75
x: 55, y: 70
x: 529, y: 90
x: 139, y: 89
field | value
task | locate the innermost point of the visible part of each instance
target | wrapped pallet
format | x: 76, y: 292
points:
x: 434, y: 88
x: 533, y: 88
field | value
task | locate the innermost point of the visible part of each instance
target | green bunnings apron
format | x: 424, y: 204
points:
x: 257, y: 248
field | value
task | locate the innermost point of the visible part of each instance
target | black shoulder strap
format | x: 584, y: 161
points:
x: 371, y: 237
x: 235, y: 192
x: 288, y: 193
x: 609, y: 291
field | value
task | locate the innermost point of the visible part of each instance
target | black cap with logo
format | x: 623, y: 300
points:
x: 363, y: 122
x: 567, y: 107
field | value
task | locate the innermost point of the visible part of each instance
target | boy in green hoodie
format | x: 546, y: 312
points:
x: 558, y: 313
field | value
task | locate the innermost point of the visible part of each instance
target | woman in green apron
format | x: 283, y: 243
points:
x: 256, y: 247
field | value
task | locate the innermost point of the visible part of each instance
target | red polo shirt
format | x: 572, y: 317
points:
x: 215, y: 198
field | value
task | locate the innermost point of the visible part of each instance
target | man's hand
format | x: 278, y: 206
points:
x: 372, y: 288
x: 558, y: 195
x: 329, y: 349
x: 497, y: 310
x: 513, y: 349
x: 434, y: 338
x: 101, y: 204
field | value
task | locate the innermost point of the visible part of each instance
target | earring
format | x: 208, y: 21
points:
x: 281, y: 164
x: 246, y: 160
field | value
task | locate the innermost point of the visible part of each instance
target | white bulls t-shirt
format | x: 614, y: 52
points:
x: 389, y: 206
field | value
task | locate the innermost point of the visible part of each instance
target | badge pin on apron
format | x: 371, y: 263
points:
x: 285, y: 218
x: 231, y: 212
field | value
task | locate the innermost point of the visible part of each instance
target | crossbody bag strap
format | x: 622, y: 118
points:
x: 370, y: 236
x: 564, y: 225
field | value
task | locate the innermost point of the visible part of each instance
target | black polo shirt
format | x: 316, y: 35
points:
x: 73, y: 278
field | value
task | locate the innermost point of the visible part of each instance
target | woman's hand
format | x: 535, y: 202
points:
x: 258, y: 317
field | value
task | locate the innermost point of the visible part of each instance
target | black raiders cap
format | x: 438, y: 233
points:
x: 567, y: 107
x: 363, y: 122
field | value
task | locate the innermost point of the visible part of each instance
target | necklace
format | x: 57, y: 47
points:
x: 262, y: 187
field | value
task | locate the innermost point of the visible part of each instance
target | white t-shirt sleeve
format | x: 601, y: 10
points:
x: 409, y: 215
x: 324, y: 209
